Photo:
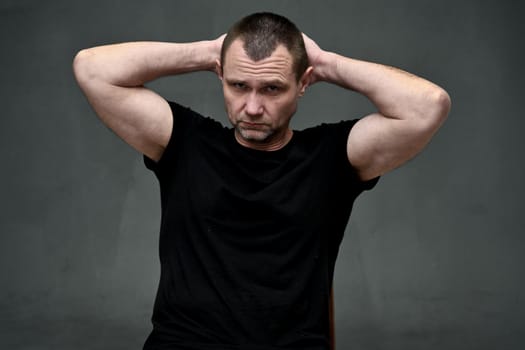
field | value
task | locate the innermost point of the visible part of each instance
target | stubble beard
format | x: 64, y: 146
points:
x: 257, y: 136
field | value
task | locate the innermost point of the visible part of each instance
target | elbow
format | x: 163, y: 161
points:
x: 83, y: 67
x: 438, y: 108
x: 442, y: 104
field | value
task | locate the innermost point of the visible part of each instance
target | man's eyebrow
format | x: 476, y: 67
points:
x: 274, y: 82
x: 278, y: 82
x: 233, y: 80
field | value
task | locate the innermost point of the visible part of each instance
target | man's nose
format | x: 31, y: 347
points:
x: 254, y: 104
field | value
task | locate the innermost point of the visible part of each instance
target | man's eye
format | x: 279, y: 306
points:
x: 239, y: 86
x: 272, y: 89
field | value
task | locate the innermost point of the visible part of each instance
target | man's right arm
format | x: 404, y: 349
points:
x: 113, y: 76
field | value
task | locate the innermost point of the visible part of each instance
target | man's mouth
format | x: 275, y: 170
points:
x: 251, y: 125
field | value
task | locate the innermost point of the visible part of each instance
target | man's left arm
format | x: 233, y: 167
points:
x: 410, y: 110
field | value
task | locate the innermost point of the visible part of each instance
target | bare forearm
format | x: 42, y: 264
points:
x: 396, y: 93
x: 135, y: 63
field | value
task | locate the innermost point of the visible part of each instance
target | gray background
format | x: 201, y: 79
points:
x: 432, y: 259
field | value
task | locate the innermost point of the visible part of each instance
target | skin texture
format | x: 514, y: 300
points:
x: 261, y: 96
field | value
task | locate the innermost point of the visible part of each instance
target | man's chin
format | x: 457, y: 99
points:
x: 255, y: 136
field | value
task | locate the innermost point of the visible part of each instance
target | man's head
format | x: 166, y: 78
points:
x: 264, y: 70
x: 261, y: 33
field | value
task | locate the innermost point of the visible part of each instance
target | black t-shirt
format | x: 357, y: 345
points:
x: 248, y: 238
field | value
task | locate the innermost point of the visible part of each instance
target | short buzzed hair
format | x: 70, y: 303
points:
x: 262, y: 32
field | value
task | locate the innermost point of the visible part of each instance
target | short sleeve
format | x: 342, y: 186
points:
x: 341, y: 131
x: 182, y: 118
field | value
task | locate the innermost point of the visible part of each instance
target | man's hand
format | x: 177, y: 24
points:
x: 217, y: 43
x: 315, y: 54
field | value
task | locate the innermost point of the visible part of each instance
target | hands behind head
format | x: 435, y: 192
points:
x: 315, y: 54
x: 219, y: 41
x: 217, y: 48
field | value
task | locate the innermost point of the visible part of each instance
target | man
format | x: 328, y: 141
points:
x: 252, y: 216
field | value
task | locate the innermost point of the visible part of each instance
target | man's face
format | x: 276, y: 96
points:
x: 261, y: 97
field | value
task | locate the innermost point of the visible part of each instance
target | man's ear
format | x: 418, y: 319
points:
x: 305, y: 80
x: 218, y: 68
